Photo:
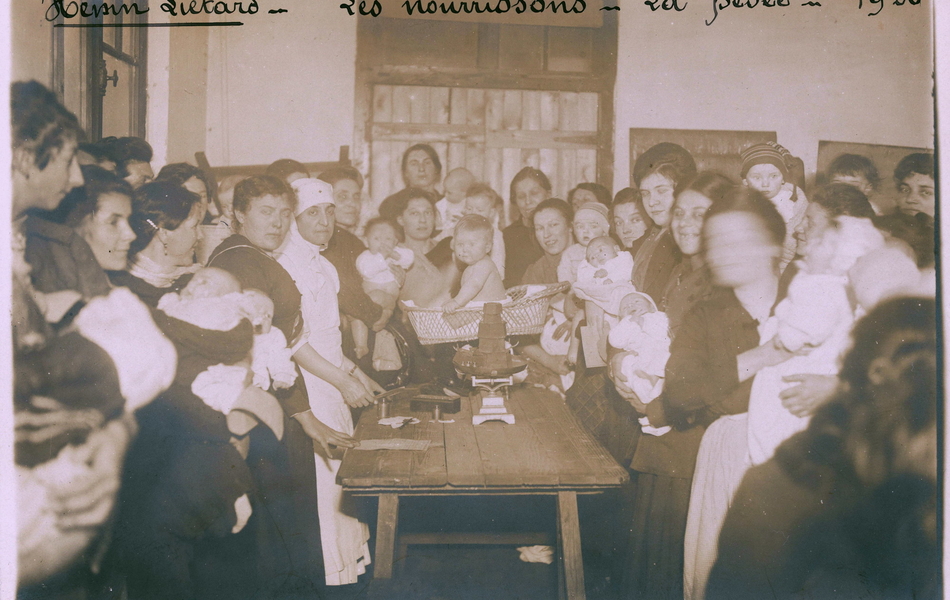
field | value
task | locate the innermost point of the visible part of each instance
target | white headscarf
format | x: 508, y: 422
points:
x: 311, y: 192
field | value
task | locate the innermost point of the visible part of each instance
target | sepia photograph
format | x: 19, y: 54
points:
x: 472, y: 299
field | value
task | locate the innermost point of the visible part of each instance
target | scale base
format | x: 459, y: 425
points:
x: 493, y: 409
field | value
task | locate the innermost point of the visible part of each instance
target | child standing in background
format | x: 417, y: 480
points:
x: 451, y: 208
x: 765, y: 168
x: 481, y: 200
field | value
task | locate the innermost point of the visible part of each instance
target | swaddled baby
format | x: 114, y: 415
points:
x: 605, y: 263
x: 814, y: 320
x: 645, y: 333
x: 213, y: 300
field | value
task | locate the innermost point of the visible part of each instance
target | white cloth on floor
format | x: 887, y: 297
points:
x: 343, y: 537
x: 816, y: 312
x: 720, y: 467
x: 618, y: 268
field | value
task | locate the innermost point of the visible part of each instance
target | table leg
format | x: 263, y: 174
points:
x: 570, y: 542
x: 387, y: 520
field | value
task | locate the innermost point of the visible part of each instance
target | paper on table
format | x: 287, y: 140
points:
x: 397, y: 422
x: 393, y: 444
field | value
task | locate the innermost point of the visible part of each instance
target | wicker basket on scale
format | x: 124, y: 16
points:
x: 525, y: 312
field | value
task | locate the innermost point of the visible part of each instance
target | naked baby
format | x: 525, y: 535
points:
x: 480, y: 281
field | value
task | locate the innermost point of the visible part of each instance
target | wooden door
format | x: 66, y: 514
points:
x: 493, y: 133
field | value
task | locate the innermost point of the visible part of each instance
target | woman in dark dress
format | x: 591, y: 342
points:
x: 660, y: 174
x: 165, y: 219
x: 529, y: 187
x: 742, y: 235
x: 552, y: 230
x: 288, y: 535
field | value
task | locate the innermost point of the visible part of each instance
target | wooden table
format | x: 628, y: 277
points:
x: 546, y: 451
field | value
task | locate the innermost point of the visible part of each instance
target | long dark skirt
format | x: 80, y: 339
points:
x: 289, y: 554
x: 658, y: 527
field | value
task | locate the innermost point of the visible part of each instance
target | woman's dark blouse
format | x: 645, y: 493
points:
x: 702, y: 383
x: 257, y: 270
x: 62, y: 260
x: 521, y: 249
x: 147, y: 293
x: 342, y: 252
x: 661, y: 261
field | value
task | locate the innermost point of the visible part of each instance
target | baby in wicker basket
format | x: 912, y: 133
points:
x: 481, y: 281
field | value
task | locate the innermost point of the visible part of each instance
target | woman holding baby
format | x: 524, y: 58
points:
x: 165, y: 220
x: 264, y: 209
x: 714, y: 352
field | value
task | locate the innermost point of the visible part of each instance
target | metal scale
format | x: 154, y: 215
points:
x: 491, y: 366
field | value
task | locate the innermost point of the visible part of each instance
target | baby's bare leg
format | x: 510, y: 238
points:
x: 360, y: 338
x: 383, y: 298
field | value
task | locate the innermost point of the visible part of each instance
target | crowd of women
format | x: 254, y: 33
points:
x: 159, y: 456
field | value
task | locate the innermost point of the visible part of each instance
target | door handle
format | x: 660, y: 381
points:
x: 105, y: 78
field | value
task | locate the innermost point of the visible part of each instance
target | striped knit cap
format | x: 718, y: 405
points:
x: 768, y: 153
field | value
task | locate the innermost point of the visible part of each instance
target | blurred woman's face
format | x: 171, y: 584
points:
x: 196, y: 186
x: 348, y: 198
x: 107, y: 231
x: 816, y: 221
x: 657, y: 194
x: 629, y: 223
x: 528, y: 195
x: 738, y: 249
x: 180, y: 243
x: 266, y: 222
x: 420, y: 171
x: 552, y: 231
x: 686, y: 221
x: 418, y: 220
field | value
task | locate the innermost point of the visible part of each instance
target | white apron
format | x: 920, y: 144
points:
x: 343, y: 537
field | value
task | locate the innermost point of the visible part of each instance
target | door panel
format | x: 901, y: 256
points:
x: 493, y: 133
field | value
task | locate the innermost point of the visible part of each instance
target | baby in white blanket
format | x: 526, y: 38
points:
x: 376, y: 266
x: 813, y: 320
x: 213, y: 300
x: 605, y: 264
x: 644, y: 332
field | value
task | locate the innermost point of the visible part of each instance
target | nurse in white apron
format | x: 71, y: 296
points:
x: 334, y: 383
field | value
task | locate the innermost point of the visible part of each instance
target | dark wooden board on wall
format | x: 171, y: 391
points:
x: 713, y: 150
x: 885, y: 158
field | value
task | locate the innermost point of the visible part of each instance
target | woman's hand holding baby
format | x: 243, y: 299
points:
x: 811, y: 392
x: 620, y: 382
